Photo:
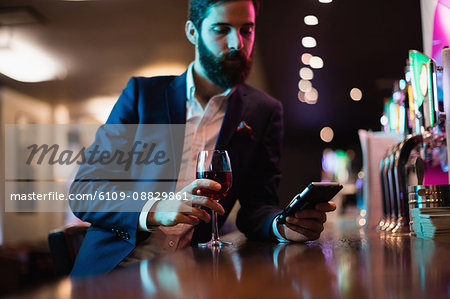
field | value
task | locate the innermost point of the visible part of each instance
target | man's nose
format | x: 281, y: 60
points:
x: 235, y: 40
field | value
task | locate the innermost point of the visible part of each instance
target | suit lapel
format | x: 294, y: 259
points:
x: 176, y: 100
x: 233, y: 116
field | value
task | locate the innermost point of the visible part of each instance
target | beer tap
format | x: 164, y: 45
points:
x: 405, y: 156
x: 433, y: 151
x: 384, y: 193
x: 428, y: 158
x: 421, y: 157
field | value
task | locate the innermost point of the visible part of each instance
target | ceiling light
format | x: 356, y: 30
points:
x: 325, y: 1
x: 24, y: 62
x: 309, y: 42
x: 316, y: 62
x: 356, y: 94
x: 311, y: 20
x: 306, y: 73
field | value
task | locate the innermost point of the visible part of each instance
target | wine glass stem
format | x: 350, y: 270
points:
x: 215, y: 228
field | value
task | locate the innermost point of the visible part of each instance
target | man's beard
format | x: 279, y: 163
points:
x: 224, y: 71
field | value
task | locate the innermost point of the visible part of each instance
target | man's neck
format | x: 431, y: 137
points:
x: 205, y: 89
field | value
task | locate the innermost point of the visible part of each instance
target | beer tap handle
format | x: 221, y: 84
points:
x: 419, y: 165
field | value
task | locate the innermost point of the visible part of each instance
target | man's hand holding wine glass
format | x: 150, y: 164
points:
x: 188, y: 210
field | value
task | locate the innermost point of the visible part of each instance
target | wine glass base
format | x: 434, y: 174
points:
x: 215, y: 243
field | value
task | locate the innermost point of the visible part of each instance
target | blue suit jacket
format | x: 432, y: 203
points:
x: 254, y: 159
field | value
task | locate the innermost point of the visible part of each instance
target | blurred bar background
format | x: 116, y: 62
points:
x: 332, y: 65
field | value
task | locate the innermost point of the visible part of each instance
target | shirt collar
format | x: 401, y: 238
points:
x: 190, y: 86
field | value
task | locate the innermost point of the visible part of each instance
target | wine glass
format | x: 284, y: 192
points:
x: 215, y: 165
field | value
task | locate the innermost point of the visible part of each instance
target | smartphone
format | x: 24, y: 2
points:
x: 313, y: 194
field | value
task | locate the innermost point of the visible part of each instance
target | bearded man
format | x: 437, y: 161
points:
x: 226, y: 114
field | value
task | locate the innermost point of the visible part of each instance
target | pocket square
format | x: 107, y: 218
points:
x: 244, y: 130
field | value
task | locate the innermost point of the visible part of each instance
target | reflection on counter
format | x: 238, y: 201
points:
x: 347, y: 262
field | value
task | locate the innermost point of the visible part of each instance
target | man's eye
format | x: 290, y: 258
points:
x: 220, y: 30
x: 246, y: 30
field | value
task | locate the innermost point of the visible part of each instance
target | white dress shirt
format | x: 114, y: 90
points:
x: 201, y: 133
x: 202, y: 130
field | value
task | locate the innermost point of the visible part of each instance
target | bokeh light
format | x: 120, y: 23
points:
x: 311, y: 20
x: 356, y: 94
x: 311, y: 96
x: 306, y: 57
x: 384, y: 120
x: 316, y: 62
x: 304, y: 85
x: 306, y: 73
x: 309, y: 42
x: 326, y: 134
x: 301, y: 96
x: 362, y: 222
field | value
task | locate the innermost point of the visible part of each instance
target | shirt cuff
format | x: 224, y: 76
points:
x: 276, y: 232
x: 143, y: 215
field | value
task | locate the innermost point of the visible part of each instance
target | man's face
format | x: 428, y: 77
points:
x: 225, y: 44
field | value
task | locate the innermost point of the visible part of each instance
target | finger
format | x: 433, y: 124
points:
x: 209, y: 203
x: 200, y: 214
x: 181, y: 218
x: 205, y: 184
x: 310, y: 235
x: 312, y: 214
x: 312, y: 225
x: 326, y: 206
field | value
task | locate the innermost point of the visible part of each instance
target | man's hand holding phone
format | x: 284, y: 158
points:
x: 303, y: 218
x: 306, y: 225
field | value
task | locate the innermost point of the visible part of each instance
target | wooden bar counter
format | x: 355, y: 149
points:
x: 346, y: 262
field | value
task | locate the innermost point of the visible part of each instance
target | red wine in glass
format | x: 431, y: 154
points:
x: 222, y: 177
x: 215, y: 165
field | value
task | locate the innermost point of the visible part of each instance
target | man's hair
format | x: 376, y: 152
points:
x: 199, y: 9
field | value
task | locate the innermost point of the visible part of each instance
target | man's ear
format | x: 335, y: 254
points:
x: 191, y: 32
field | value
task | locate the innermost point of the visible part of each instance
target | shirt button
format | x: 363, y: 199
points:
x: 171, y: 243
